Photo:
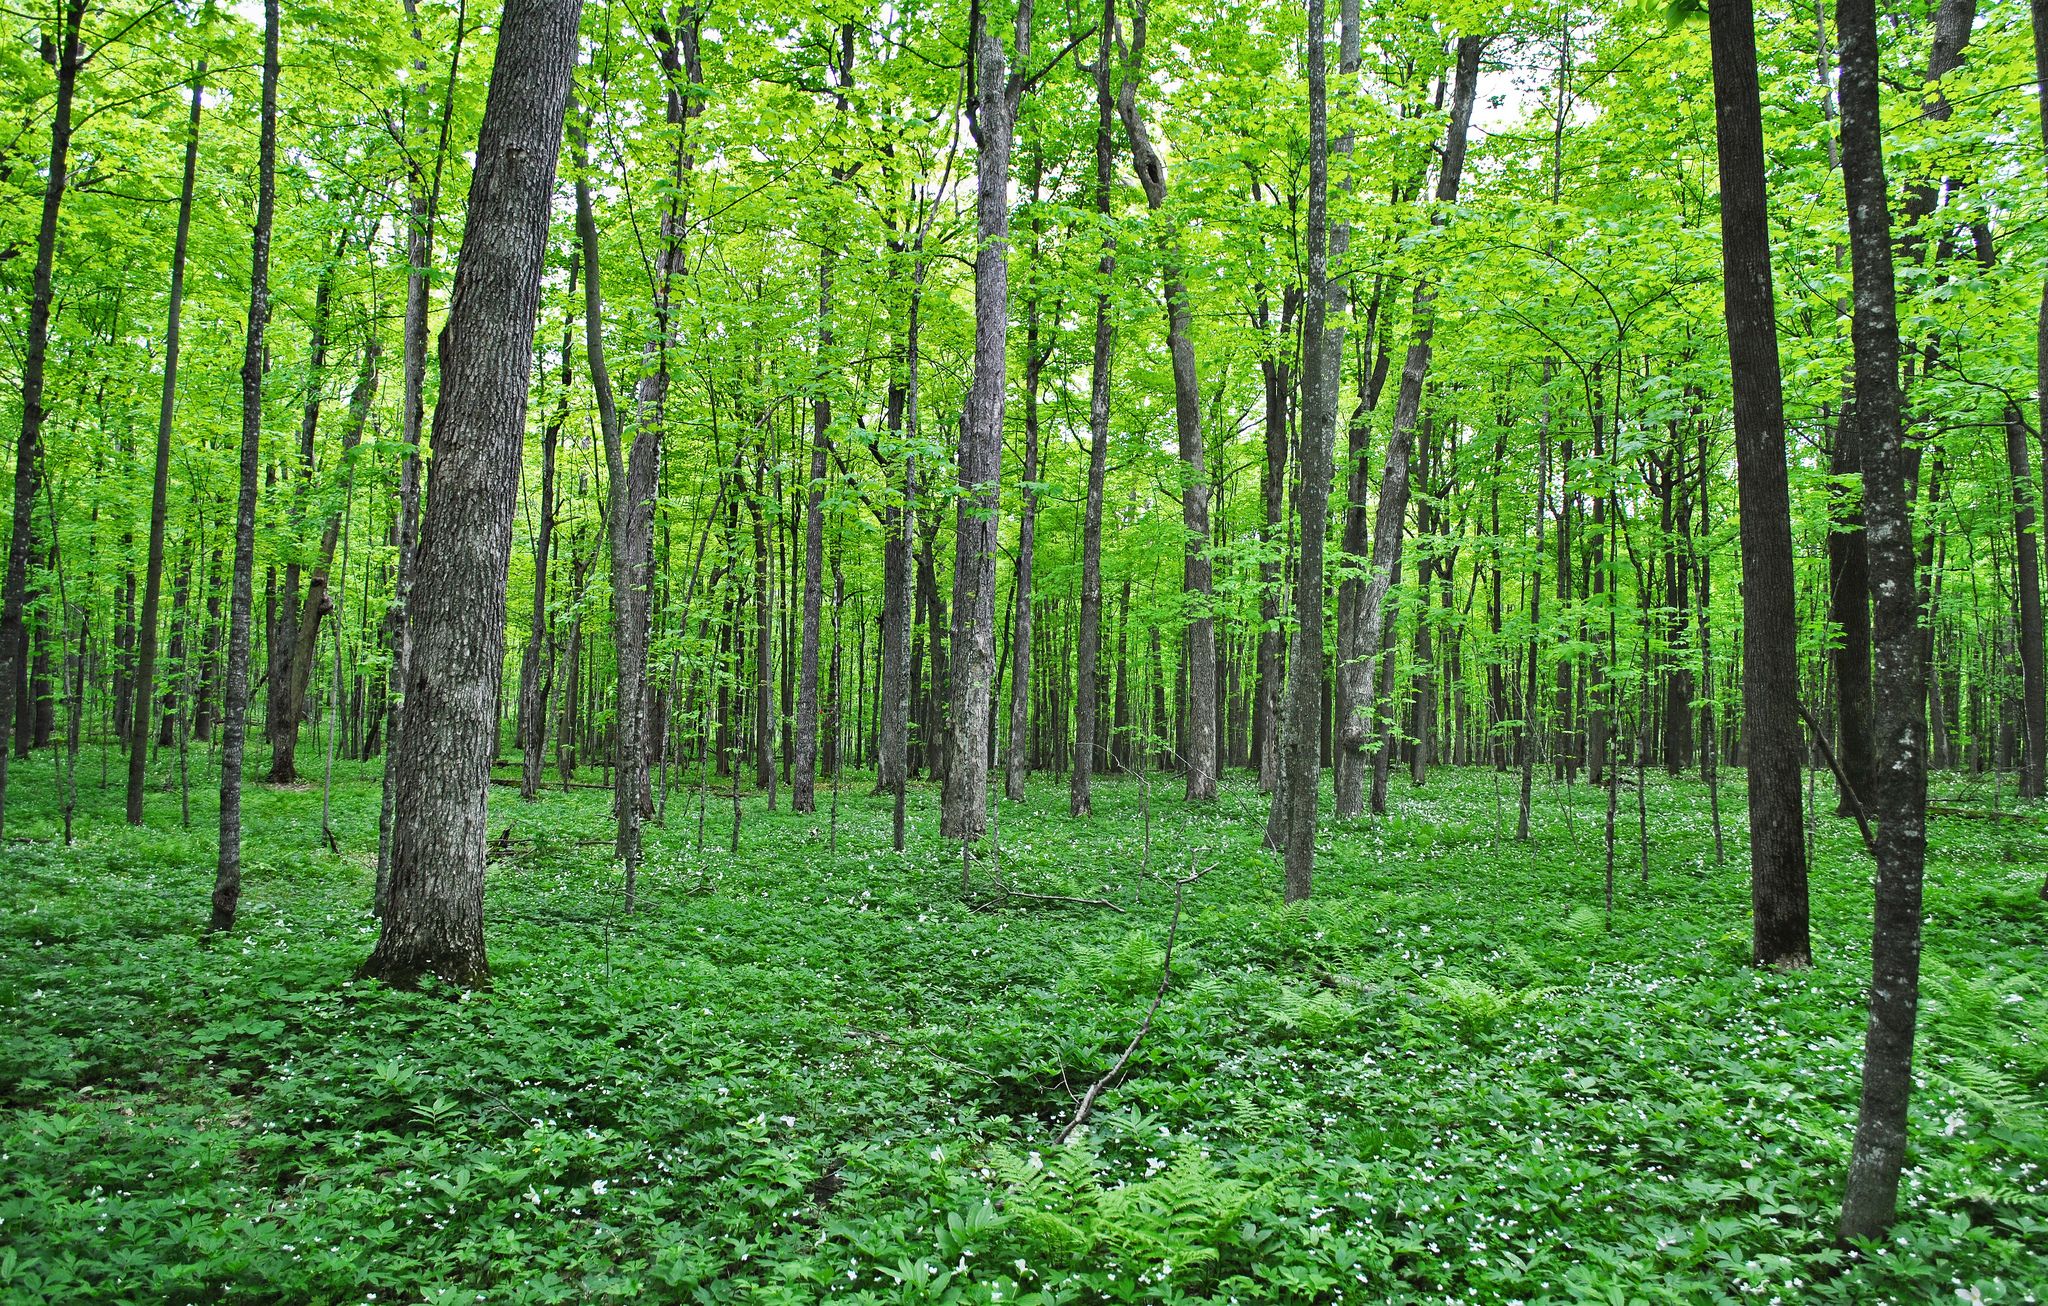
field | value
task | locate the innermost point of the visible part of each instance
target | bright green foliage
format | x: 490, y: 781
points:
x: 798, y: 1076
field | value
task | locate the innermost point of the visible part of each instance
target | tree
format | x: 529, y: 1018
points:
x: 159, y: 507
x: 234, y: 730
x: 1293, y: 827
x: 1871, y: 1195
x: 1087, y: 677
x: 28, y: 450
x: 440, y: 760
x: 1770, y: 630
x: 1000, y: 88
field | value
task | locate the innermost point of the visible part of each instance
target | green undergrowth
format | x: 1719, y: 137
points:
x: 799, y: 1074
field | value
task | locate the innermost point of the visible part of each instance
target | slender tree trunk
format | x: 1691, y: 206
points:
x: 159, y: 506
x: 628, y: 516
x: 537, y: 666
x: 1900, y: 805
x: 1198, y: 750
x: 441, y: 758
x: 28, y: 451
x: 1294, y: 801
x: 1389, y: 520
x: 227, y: 882
x: 297, y: 667
x: 1018, y: 760
x: 1770, y: 658
x: 1080, y: 794
x: 2027, y: 564
x: 804, y: 765
x: 964, y: 803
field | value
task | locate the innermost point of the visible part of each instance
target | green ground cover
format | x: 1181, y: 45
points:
x: 800, y: 1074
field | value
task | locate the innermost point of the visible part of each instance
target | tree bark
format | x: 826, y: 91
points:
x: 964, y: 802
x: 28, y: 451
x: 1080, y: 792
x: 141, y: 719
x: 536, y: 666
x: 440, y: 762
x: 1390, y: 514
x: 1870, y: 1197
x: 298, y: 666
x: 1198, y: 752
x: 1294, y: 801
x: 1770, y: 681
x: 1017, y: 760
x: 227, y: 881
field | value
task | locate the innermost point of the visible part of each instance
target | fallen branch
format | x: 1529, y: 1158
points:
x: 512, y: 781
x: 1165, y: 978
x: 1978, y: 814
x: 1820, y: 737
x: 1004, y: 892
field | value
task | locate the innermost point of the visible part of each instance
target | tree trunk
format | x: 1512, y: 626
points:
x: 536, y: 667
x: 1035, y: 359
x: 1294, y: 800
x: 440, y: 761
x: 423, y: 202
x: 1080, y: 795
x: 1770, y: 680
x: 964, y: 803
x: 1390, y: 515
x: 1900, y: 803
x: 227, y: 882
x: 28, y: 452
x: 298, y: 667
x: 153, y: 573
x: 1198, y: 750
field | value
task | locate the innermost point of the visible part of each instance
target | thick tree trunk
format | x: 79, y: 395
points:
x: 440, y: 762
x: 227, y: 881
x: 28, y: 451
x: 159, y: 507
x: 1770, y: 680
x: 1900, y: 804
x: 964, y: 803
x: 1278, y: 381
x: 2028, y: 566
x: 1080, y: 795
x: 423, y: 204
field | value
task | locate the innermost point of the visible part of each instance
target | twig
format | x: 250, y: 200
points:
x: 1004, y: 891
x: 1820, y: 737
x: 1165, y: 978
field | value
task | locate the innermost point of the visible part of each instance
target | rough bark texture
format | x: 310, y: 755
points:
x: 28, y: 451
x: 234, y: 730
x: 153, y: 571
x: 422, y: 201
x: 964, y: 805
x: 1294, y: 801
x: 433, y: 922
x: 1390, y: 515
x: 1770, y: 680
x: 1870, y: 1197
x: 1198, y: 750
x: 1080, y: 798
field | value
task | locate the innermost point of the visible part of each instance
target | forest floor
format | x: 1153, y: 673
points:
x: 798, y: 1074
